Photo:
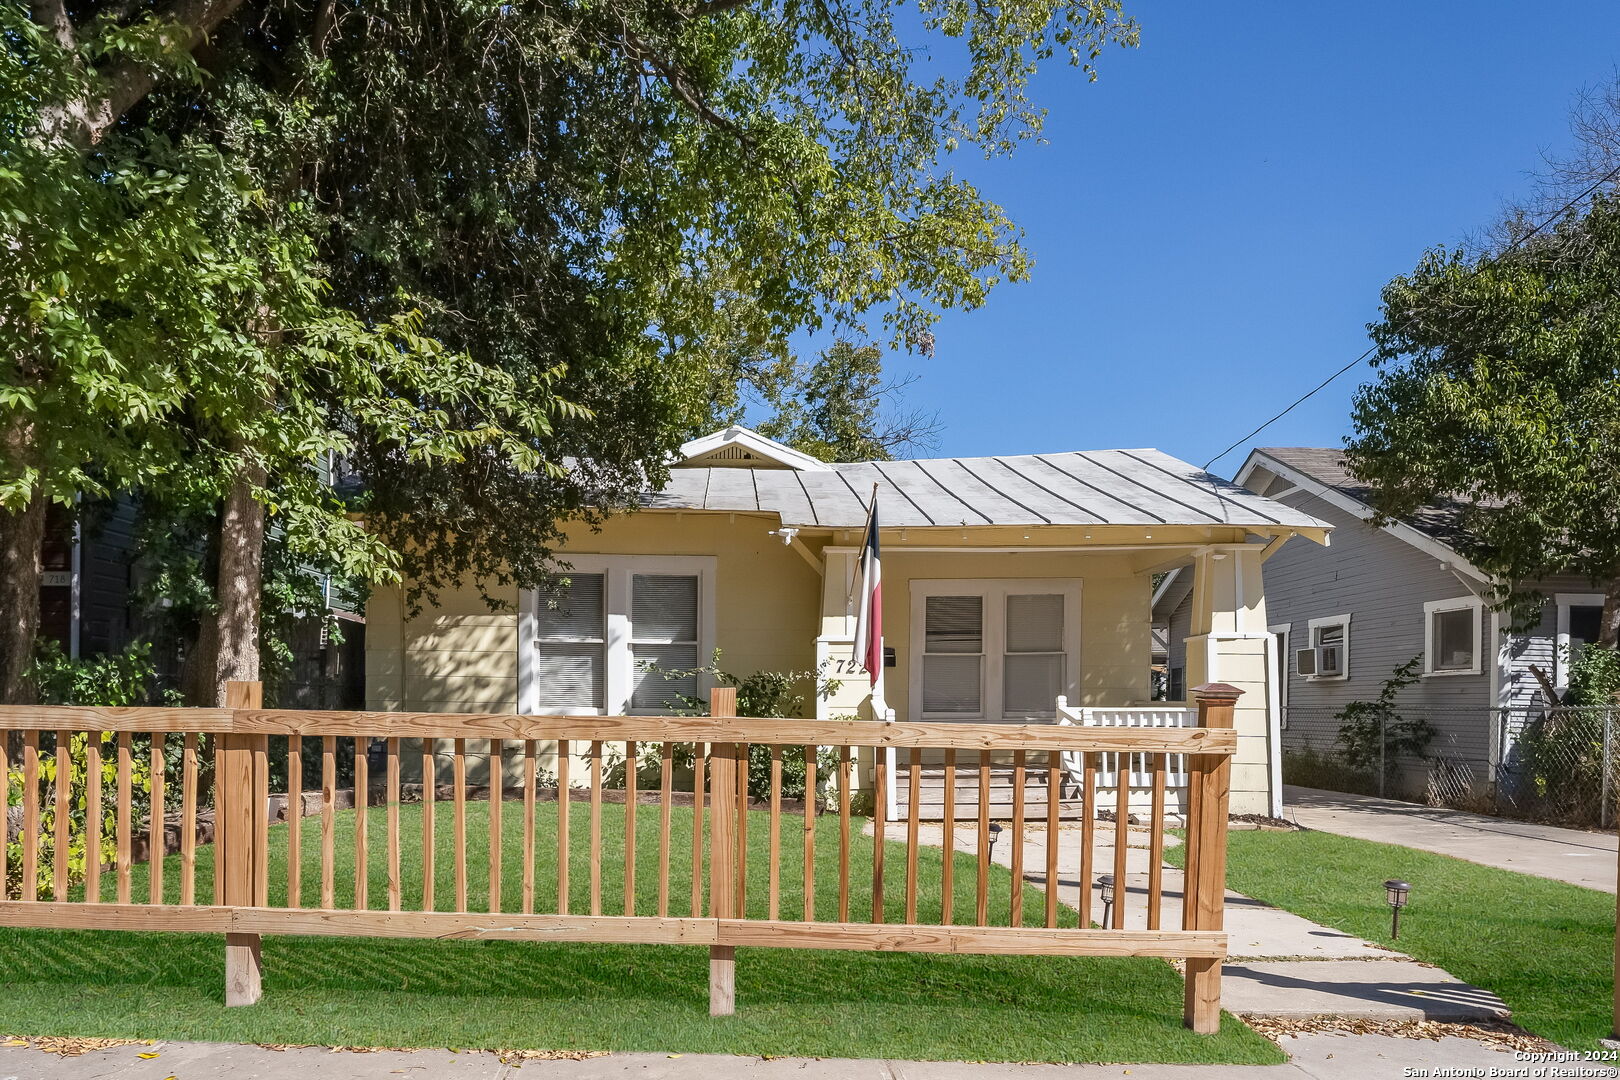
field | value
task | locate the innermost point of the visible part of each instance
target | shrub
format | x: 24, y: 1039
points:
x: 1375, y: 736
x: 764, y: 694
x: 115, y: 680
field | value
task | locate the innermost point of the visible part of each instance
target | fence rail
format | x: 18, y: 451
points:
x: 677, y: 872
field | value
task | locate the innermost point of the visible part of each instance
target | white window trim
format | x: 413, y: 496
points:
x: 1310, y: 637
x: 617, y: 572
x: 994, y: 591
x: 1434, y: 607
x: 1565, y: 601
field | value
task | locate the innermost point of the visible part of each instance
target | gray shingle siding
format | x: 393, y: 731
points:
x: 1538, y: 645
x: 1382, y: 583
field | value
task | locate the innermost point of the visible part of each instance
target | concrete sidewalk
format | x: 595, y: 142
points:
x: 1580, y: 858
x: 1314, y: 1057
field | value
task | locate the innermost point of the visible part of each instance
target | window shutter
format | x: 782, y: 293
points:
x: 570, y: 644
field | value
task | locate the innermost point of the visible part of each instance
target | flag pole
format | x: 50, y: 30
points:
x: 877, y: 676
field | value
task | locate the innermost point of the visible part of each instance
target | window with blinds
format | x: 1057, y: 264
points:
x: 953, y: 655
x: 1032, y: 666
x: 663, y: 639
x: 571, y: 643
x: 993, y: 649
x: 607, y: 638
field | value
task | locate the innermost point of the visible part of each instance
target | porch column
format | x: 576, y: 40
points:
x: 1229, y: 643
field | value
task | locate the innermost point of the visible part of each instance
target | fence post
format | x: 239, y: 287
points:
x: 1204, y: 890
x: 723, y: 767
x: 1383, y: 749
x: 1608, y: 764
x: 241, y: 821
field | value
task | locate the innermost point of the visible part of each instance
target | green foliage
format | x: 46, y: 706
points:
x: 765, y: 694
x: 1545, y: 947
x: 832, y: 408
x: 401, y: 992
x: 113, y: 680
x: 1375, y: 735
x: 1594, y: 676
x: 645, y: 203
x: 1497, y: 400
x: 78, y: 852
x: 1560, y: 754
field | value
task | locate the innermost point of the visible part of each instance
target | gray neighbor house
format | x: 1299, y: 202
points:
x: 1346, y: 615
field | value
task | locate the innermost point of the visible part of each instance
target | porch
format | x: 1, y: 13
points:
x: 1053, y: 631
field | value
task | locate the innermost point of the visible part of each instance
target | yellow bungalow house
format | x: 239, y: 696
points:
x: 1009, y: 582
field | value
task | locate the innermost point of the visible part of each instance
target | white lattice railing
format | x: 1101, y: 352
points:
x: 1139, y: 765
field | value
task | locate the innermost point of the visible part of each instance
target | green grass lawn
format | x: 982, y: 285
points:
x: 500, y: 994
x: 1544, y: 947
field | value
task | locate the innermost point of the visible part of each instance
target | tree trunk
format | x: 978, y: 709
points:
x: 21, y: 535
x: 1609, y: 623
x: 228, y: 640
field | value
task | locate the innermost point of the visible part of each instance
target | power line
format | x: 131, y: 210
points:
x: 1313, y: 391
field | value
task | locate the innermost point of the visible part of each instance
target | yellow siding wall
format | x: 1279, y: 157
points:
x: 770, y: 607
x: 1115, y: 605
x: 461, y: 657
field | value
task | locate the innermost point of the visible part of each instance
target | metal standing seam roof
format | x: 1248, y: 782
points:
x: 1093, y: 487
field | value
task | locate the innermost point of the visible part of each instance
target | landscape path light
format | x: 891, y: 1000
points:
x: 1105, y: 888
x: 1396, y: 892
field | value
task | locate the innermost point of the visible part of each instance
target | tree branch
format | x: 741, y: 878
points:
x: 676, y: 80
x: 52, y: 14
x: 1546, y: 685
x: 128, y: 81
x: 716, y: 7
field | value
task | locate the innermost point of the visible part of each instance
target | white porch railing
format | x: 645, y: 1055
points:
x: 1138, y: 766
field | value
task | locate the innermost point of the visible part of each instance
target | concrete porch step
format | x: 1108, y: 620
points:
x: 966, y: 793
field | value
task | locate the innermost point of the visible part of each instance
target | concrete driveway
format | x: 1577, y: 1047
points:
x: 1580, y: 858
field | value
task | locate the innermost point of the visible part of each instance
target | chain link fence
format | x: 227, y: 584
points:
x: 1559, y: 765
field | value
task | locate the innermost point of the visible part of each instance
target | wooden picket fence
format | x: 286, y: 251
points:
x: 236, y: 741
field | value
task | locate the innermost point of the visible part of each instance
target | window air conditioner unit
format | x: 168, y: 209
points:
x: 1320, y: 661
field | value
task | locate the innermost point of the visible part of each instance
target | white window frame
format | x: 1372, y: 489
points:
x: 1565, y: 601
x: 618, y: 573
x: 1310, y: 637
x: 1472, y: 604
x: 994, y: 591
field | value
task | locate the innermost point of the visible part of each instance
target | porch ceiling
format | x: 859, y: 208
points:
x: 1096, y: 487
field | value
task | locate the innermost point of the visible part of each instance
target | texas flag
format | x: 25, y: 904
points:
x: 868, y: 649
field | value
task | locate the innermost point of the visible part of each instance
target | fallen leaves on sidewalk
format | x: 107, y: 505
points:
x: 518, y: 1057
x: 65, y: 1046
x: 507, y: 1057
x: 1503, y: 1037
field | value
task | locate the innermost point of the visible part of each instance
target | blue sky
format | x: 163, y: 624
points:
x: 1213, y: 218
